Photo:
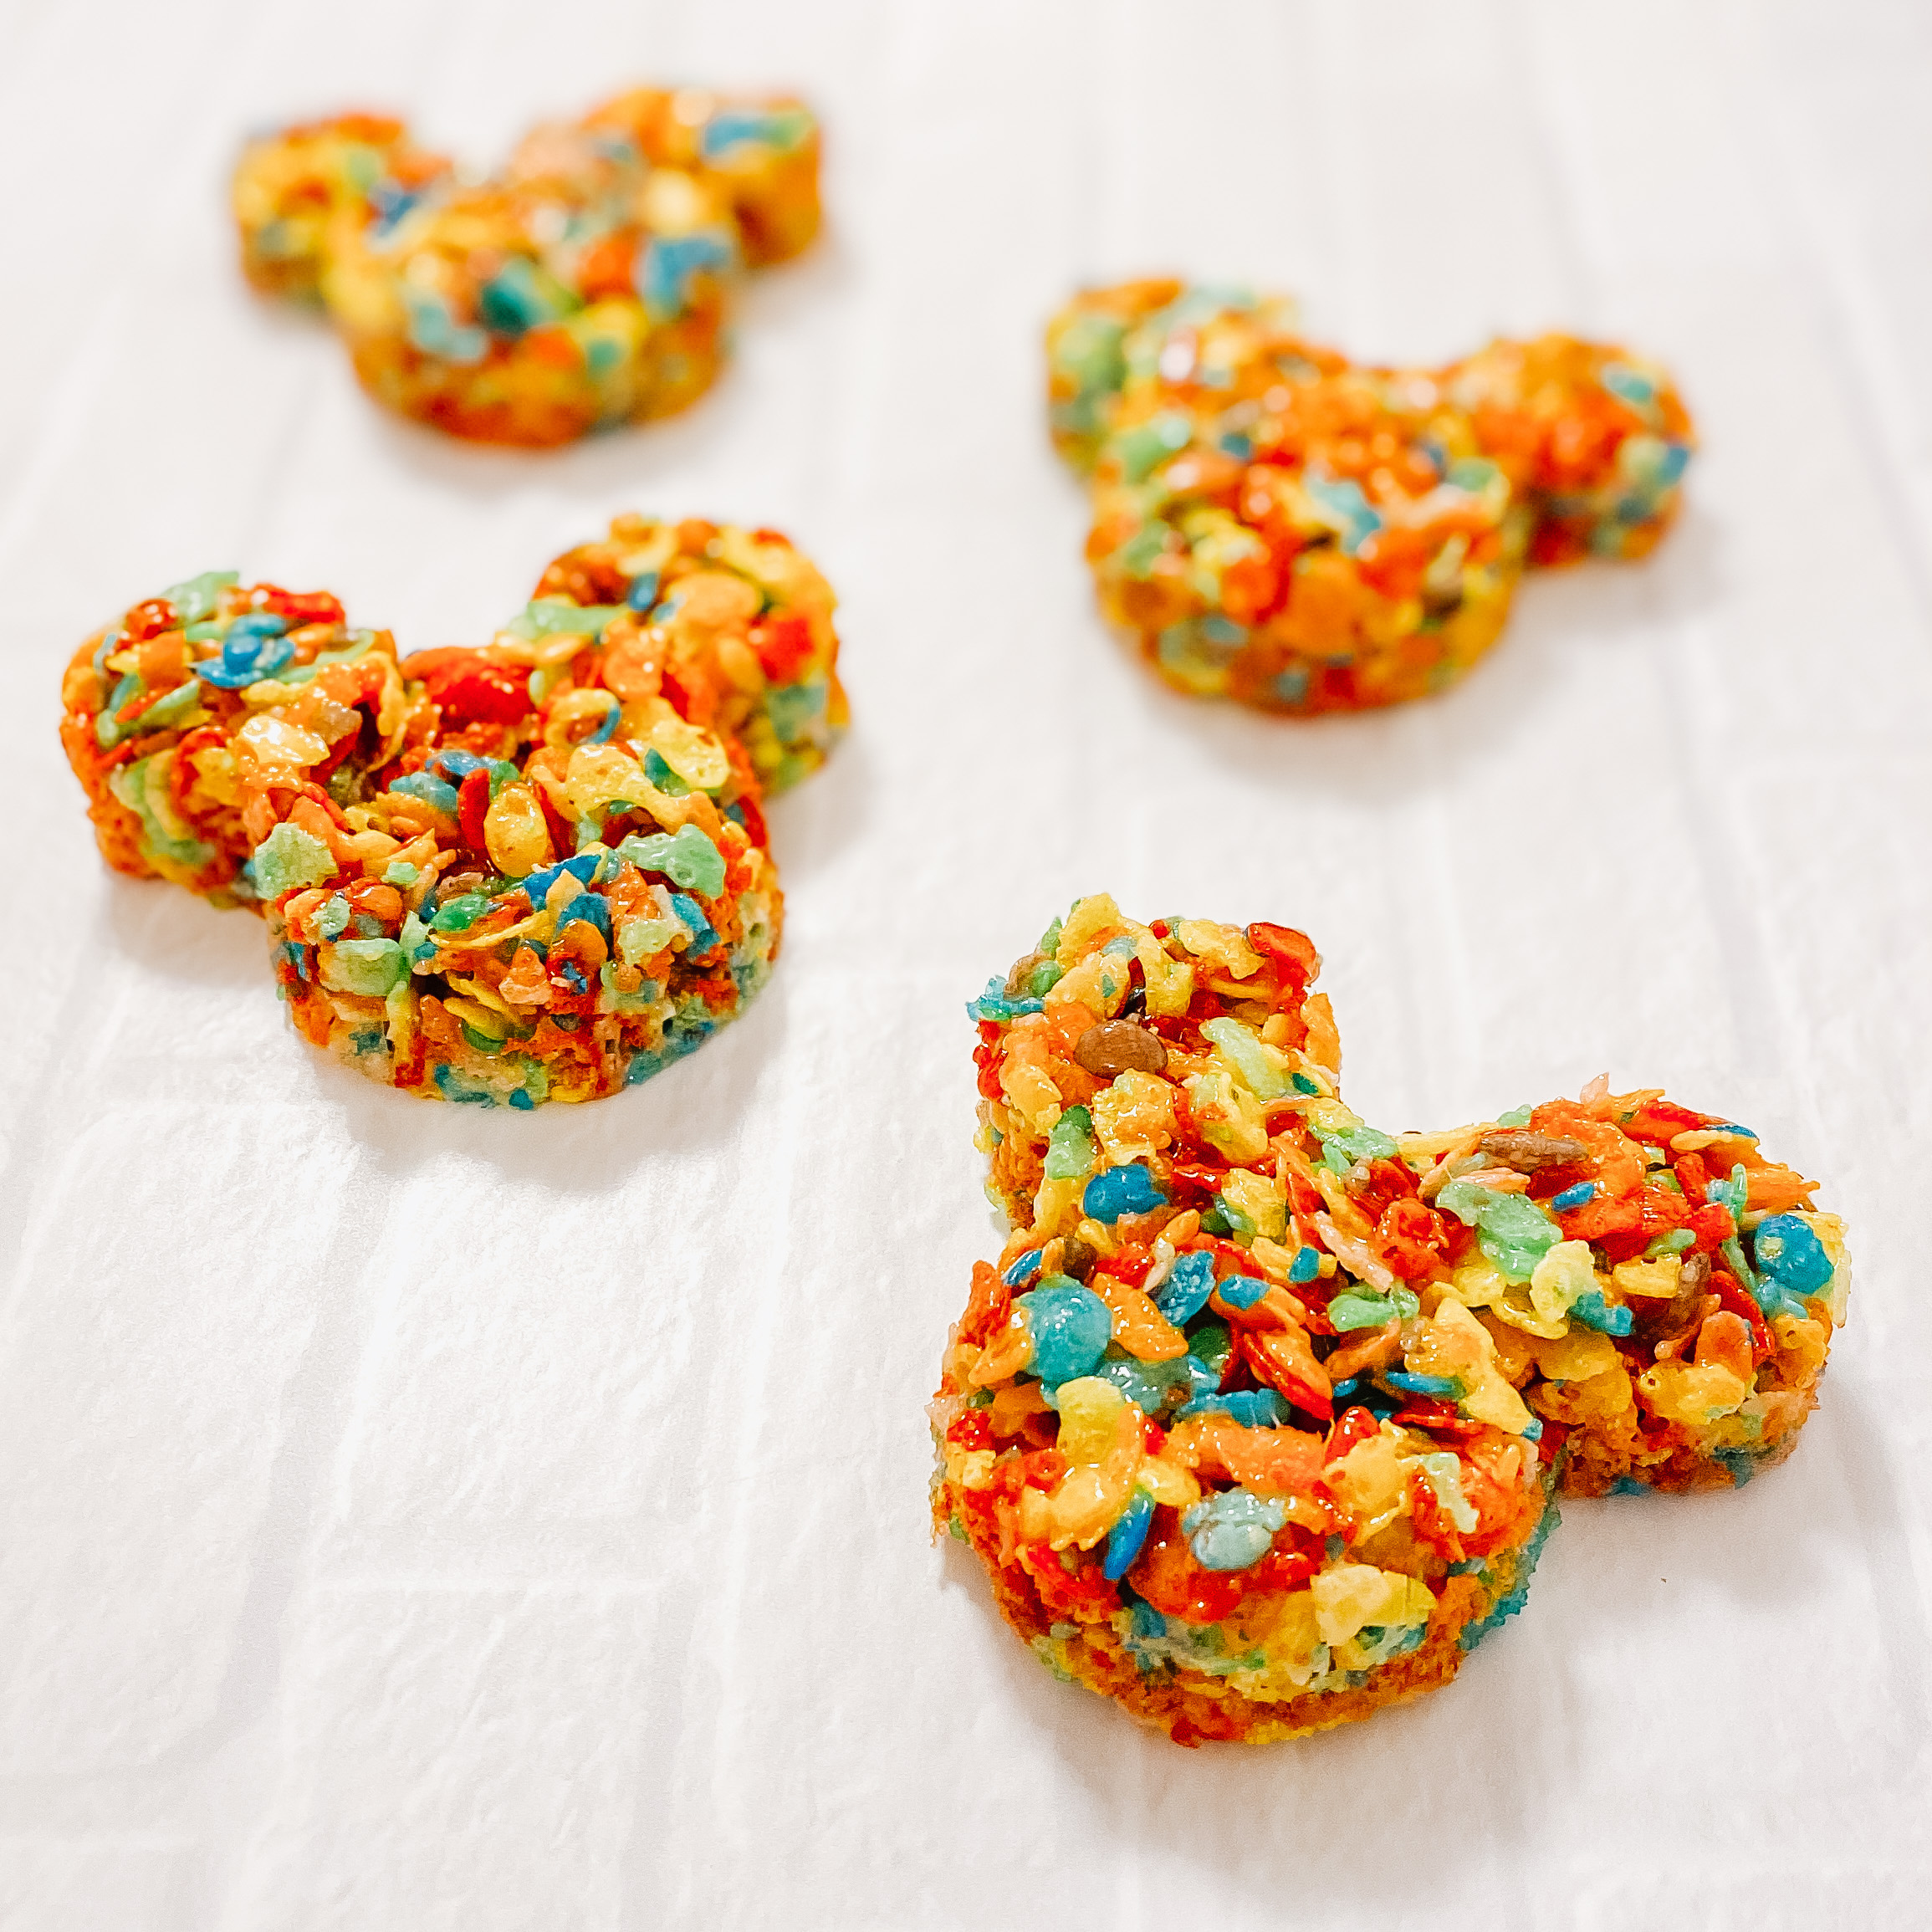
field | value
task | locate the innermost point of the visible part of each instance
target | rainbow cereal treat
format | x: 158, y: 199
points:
x: 738, y: 622
x: 1652, y: 1285
x: 588, y: 284
x: 1275, y: 524
x: 1257, y: 1421
x: 536, y: 869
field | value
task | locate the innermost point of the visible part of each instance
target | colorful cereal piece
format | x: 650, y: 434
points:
x: 590, y: 283
x: 1342, y: 1374
x: 1275, y: 525
x: 536, y: 869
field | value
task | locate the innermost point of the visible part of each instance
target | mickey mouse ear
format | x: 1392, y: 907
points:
x: 587, y: 285
x: 1257, y: 1423
x: 532, y: 870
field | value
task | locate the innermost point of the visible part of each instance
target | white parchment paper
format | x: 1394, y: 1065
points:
x: 416, y: 1520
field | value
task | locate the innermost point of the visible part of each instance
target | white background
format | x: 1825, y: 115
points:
x: 416, y: 1520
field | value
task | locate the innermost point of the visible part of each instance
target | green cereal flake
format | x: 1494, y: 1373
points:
x: 639, y: 939
x: 289, y: 859
x: 195, y: 600
x: 369, y: 967
x: 1070, y: 1147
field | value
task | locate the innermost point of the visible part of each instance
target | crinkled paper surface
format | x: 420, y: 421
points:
x: 416, y: 1520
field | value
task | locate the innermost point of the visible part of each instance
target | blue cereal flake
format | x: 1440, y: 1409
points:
x: 1576, y: 1197
x: 1125, y: 1539
x: 1627, y: 385
x: 1184, y: 1293
x: 1241, y: 1291
x: 434, y: 331
x: 252, y: 647
x: 1305, y: 1265
x: 428, y: 789
x: 583, y: 868
x: 1786, y: 1251
x: 994, y: 1005
x: 1155, y: 1387
x: 782, y: 128
x: 1252, y: 1408
x: 671, y: 263
x: 1608, y: 1317
x: 588, y: 909
x: 1506, y: 1606
x: 1446, y: 1386
x: 455, y: 765
x: 1023, y: 1270
x: 1233, y: 1530
x: 1071, y: 1326
x: 514, y: 300
x: 1346, y: 502
x: 687, y: 909
x: 453, y: 1085
x: 1124, y: 1190
x: 1731, y: 1191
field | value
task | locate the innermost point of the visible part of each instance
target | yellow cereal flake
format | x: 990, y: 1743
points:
x: 1658, y: 1279
x: 1370, y: 1482
x: 1230, y: 1117
x: 1226, y: 947
x: 1453, y: 1343
x: 1134, y: 1117
x: 1170, y: 982
x: 1350, y: 1596
x: 697, y: 755
x: 1166, y: 1484
x: 1031, y: 1094
x: 1259, y: 1201
x: 1830, y: 1230
x: 1683, y: 1392
x: 1090, y: 925
x: 1099, y: 983
x: 1284, y: 1629
x: 1575, y: 1356
x: 1560, y: 1278
x: 1593, y: 1398
x: 1100, y: 1435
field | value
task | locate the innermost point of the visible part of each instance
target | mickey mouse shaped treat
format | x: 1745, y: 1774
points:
x: 532, y: 870
x: 1275, y: 524
x: 1258, y: 1420
x: 588, y: 284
